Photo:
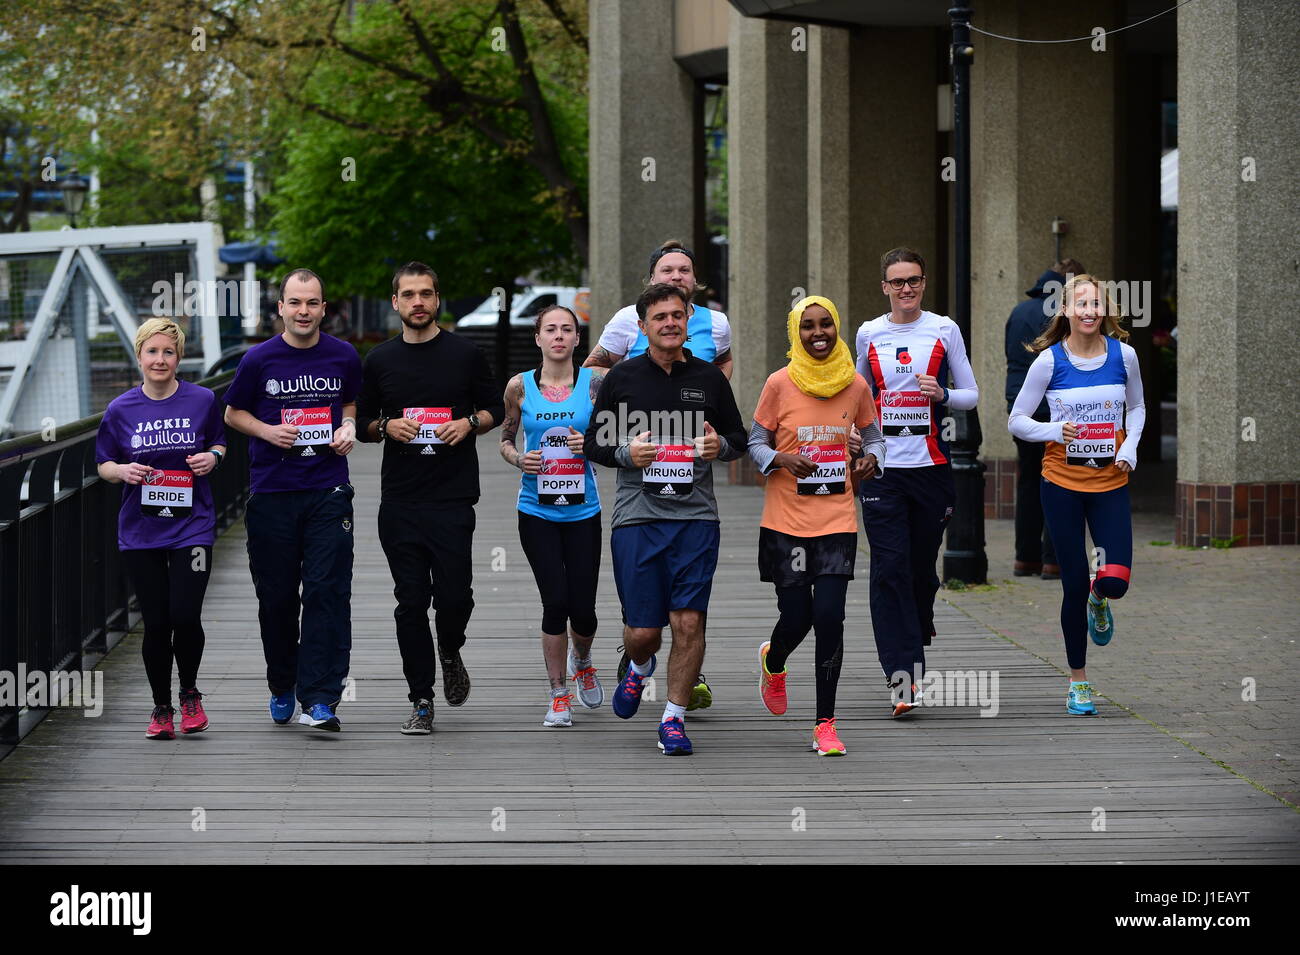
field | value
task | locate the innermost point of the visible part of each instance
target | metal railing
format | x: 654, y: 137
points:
x: 64, y: 597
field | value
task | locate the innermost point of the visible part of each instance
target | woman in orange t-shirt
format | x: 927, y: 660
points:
x: 814, y: 420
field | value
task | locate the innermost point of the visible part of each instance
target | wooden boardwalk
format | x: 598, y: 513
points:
x: 492, y: 785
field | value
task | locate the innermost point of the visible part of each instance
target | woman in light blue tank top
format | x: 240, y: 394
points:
x: 559, y: 505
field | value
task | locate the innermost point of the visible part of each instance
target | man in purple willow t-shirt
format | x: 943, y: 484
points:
x: 295, y: 397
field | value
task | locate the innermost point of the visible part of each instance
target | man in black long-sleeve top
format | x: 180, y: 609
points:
x: 662, y: 419
x: 426, y: 394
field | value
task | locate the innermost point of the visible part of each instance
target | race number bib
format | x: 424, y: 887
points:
x: 563, y: 481
x: 315, y: 430
x: 904, y: 414
x: 167, y: 494
x: 672, y: 473
x: 832, y: 469
x: 1093, y: 446
x: 429, y: 420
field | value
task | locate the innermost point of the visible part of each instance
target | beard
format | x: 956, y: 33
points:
x: 418, y: 322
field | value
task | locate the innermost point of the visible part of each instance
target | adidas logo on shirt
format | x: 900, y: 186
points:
x: 561, y: 500
x: 822, y: 490
x: 905, y: 431
x: 166, y: 512
x: 428, y: 449
x: 667, y: 489
x: 308, y: 452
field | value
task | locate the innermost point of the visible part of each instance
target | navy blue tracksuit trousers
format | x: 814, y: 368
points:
x: 905, y: 513
x: 303, y: 539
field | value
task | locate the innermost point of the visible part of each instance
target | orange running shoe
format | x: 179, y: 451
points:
x: 904, y: 703
x: 771, y: 686
x: 825, y: 740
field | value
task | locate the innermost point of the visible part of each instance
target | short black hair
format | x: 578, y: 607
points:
x: 659, y: 292
x: 304, y: 274
x: 416, y: 268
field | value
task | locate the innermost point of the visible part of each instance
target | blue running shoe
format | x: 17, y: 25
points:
x: 281, y: 707
x: 627, y: 698
x: 321, y: 717
x: 673, y: 740
x: 1079, y: 700
x: 1101, y: 622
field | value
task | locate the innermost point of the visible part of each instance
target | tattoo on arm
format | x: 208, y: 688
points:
x: 510, y: 426
x: 601, y: 358
x: 594, y: 388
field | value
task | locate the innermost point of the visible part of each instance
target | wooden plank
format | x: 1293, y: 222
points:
x: 946, y: 786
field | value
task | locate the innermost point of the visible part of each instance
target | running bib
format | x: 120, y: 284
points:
x: 904, y: 414
x: 672, y: 473
x: 315, y: 430
x: 1093, y: 446
x: 167, y: 494
x: 563, y: 481
x: 429, y: 420
x: 832, y: 469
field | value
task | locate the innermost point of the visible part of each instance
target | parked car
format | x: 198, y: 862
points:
x: 526, y: 304
x: 480, y: 325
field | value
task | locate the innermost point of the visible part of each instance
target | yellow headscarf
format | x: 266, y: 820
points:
x: 819, y: 377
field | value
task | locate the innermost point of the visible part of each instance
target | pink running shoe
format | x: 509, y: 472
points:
x: 826, y: 741
x: 160, y: 724
x: 771, y: 686
x: 193, y: 719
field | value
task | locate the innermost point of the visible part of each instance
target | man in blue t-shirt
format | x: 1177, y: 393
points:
x: 295, y: 397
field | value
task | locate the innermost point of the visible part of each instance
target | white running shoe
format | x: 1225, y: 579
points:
x: 590, y: 693
x: 560, y: 712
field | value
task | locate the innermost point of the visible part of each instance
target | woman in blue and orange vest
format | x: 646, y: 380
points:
x: 1093, y: 388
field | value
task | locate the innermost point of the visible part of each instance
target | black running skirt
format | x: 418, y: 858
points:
x: 789, y: 561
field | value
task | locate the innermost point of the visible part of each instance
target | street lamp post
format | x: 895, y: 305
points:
x: 964, y: 559
x: 74, y: 189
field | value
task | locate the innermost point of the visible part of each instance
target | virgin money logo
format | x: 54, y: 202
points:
x: 550, y: 465
x: 294, y: 416
x: 893, y: 399
x: 154, y: 477
x: 414, y: 414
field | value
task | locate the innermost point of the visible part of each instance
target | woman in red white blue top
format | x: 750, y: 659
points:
x: 908, y: 356
x: 1094, y: 392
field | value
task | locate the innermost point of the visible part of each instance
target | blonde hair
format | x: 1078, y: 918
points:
x: 160, y: 326
x: 1060, y: 326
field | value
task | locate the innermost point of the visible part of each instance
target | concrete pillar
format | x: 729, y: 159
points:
x: 1238, y: 271
x: 1043, y: 144
x: 768, y: 193
x: 873, y: 164
x: 641, y: 161
x: 830, y: 183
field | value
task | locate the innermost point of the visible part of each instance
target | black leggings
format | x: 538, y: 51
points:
x: 565, y: 557
x: 818, y: 606
x: 170, y: 585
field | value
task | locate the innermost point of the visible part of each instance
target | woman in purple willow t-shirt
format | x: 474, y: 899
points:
x: 161, y: 440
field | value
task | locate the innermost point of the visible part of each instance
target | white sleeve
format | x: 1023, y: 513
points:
x: 721, y: 334
x: 860, y: 346
x: 620, y: 332
x: 1022, y: 423
x: 966, y: 394
x: 1135, y: 410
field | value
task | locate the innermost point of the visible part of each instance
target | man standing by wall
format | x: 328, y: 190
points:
x: 294, y: 395
x: 427, y: 394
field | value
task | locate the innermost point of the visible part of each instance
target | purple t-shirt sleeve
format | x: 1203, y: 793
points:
x: 241, y: 392
x: 215, y: 427
x: 107, y: 446
x: 352, y: 379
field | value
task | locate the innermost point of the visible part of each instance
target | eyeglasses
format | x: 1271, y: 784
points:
x: 912, y: 281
